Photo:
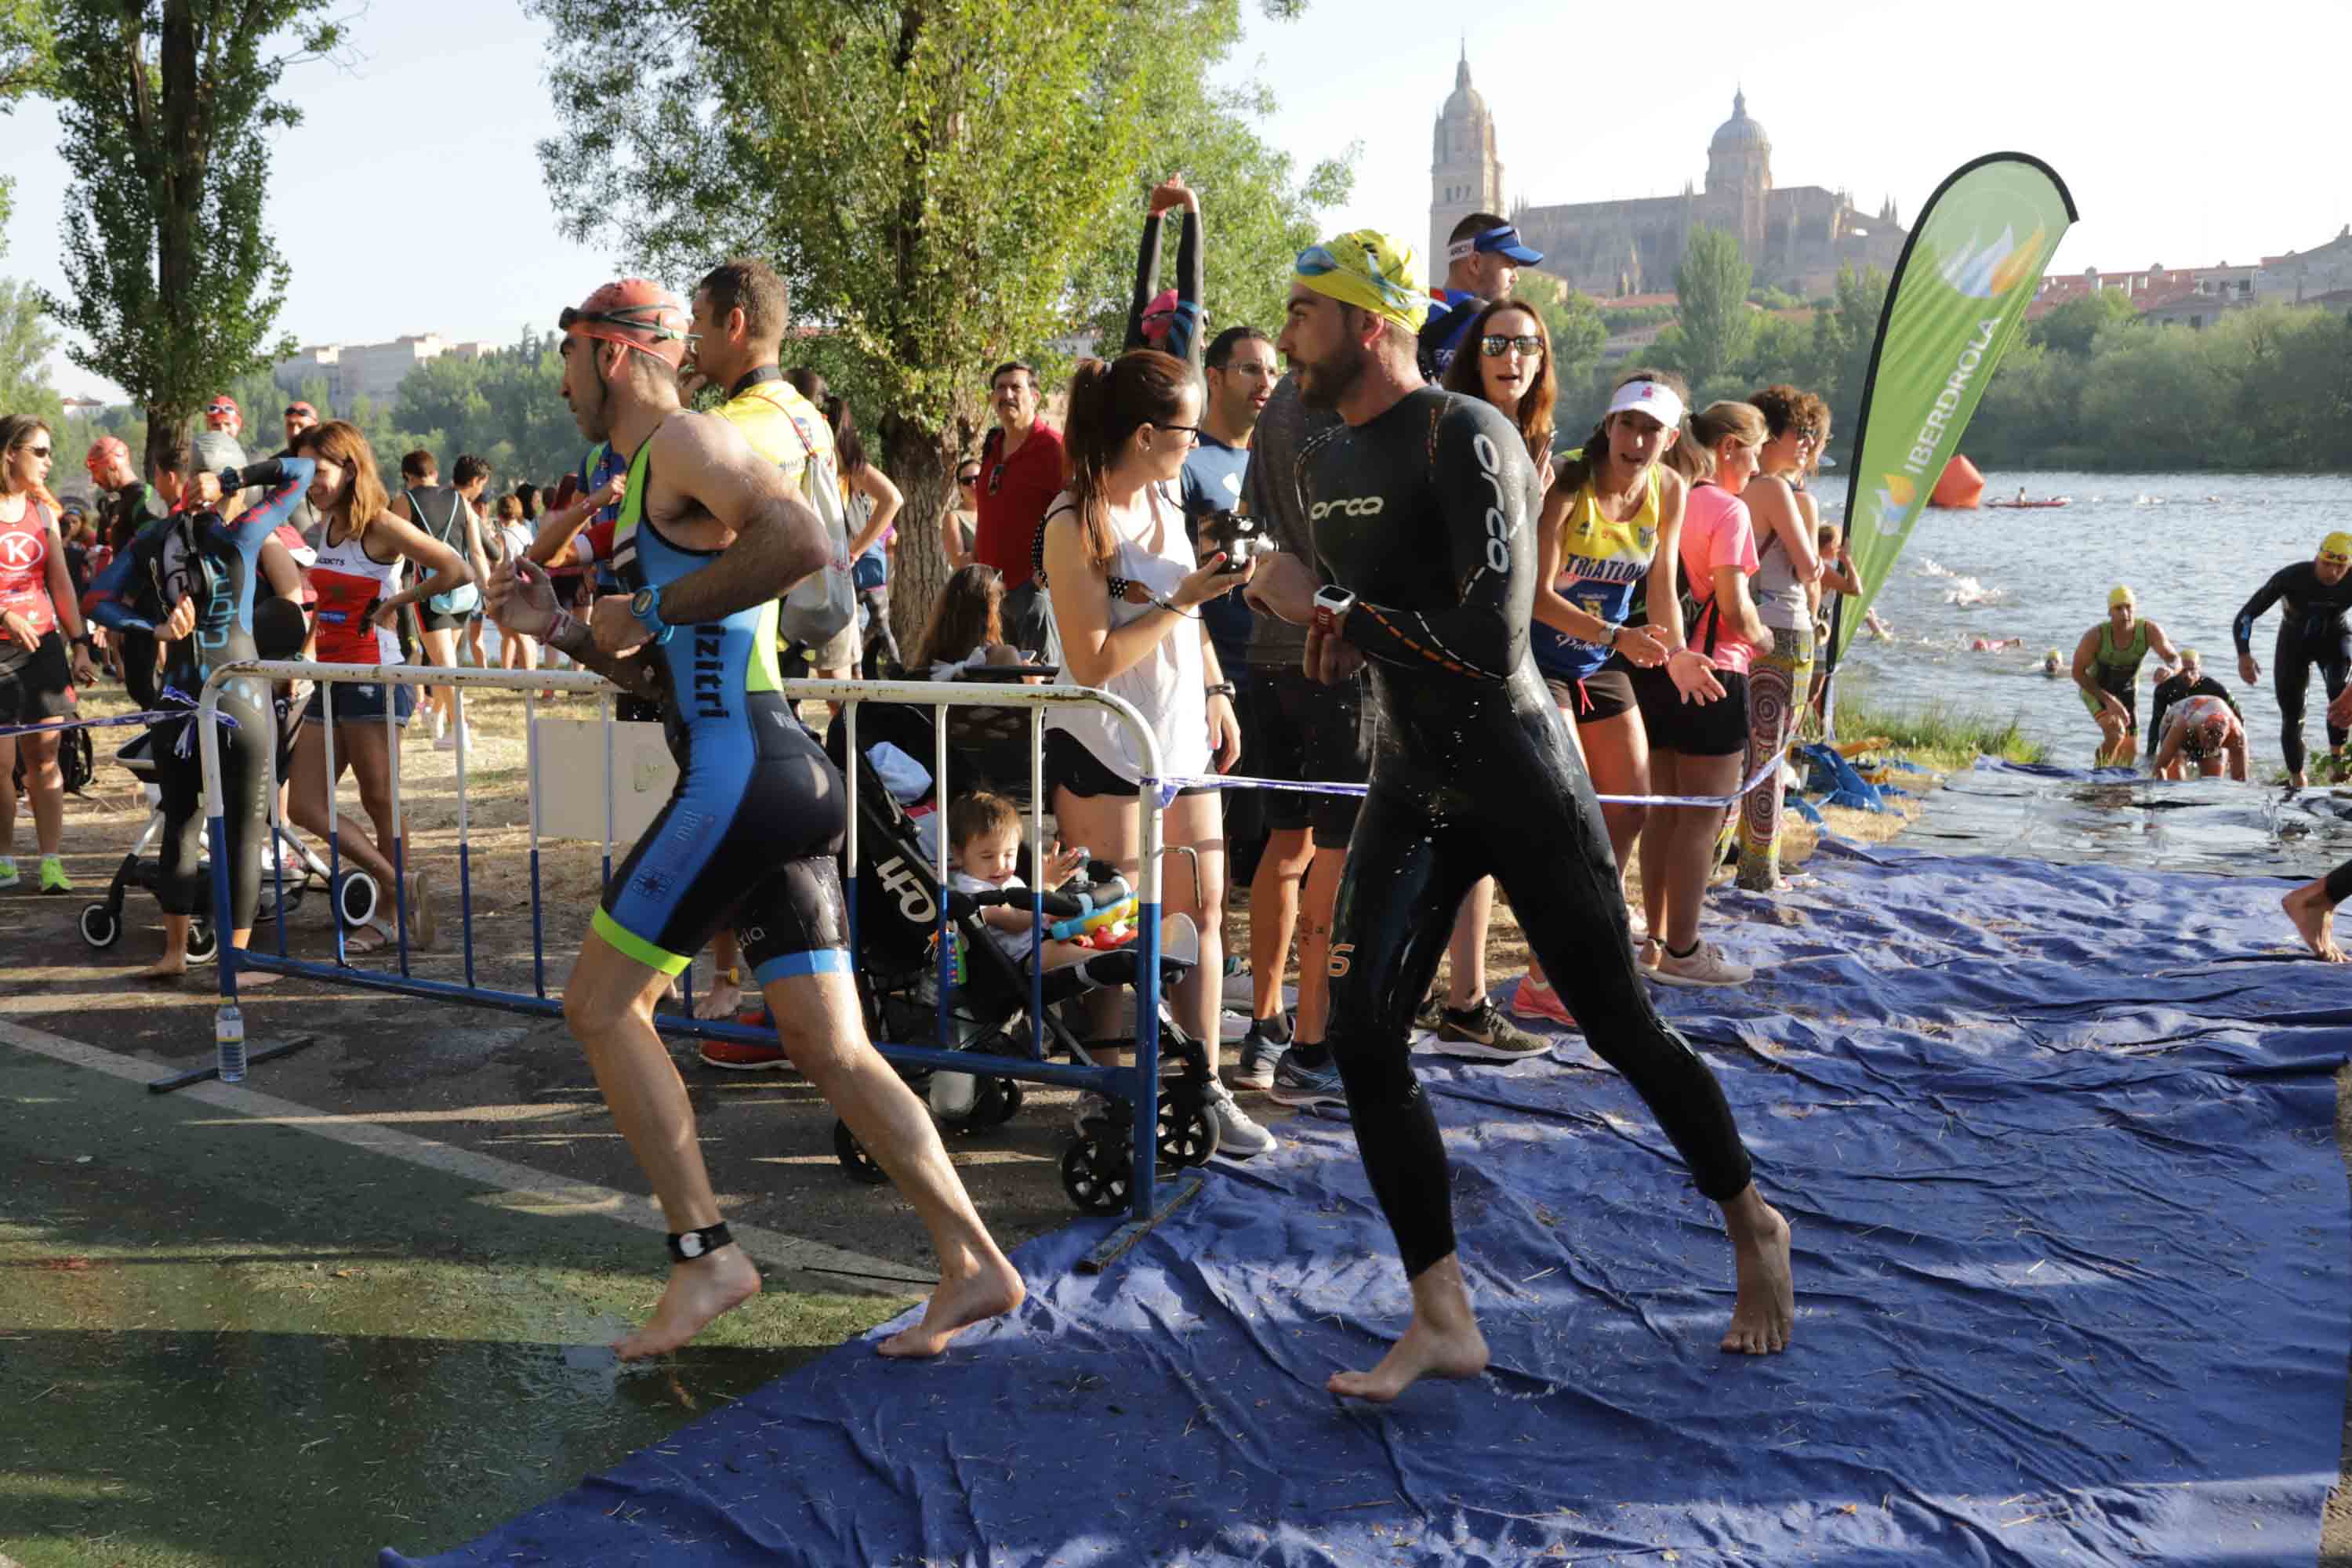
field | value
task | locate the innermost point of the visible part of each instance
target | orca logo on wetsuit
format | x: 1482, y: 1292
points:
x: 1498, y: 524
x: 1347, y: 506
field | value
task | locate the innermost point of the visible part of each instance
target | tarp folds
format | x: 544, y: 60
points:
x: 2072, y: 1252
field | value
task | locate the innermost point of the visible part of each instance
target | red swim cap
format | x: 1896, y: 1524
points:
x: 104, y: 448
x: 634, y: 312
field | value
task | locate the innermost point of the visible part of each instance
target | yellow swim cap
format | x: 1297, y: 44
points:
x: 1366, y: 268
x: 2336, y: 547
x: 2190, y: 656
x: 2120, y: 595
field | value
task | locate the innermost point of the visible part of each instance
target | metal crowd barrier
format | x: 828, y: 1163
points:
x: 1140, y: 1084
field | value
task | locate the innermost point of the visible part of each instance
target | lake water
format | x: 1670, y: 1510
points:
x: 2192, y: 546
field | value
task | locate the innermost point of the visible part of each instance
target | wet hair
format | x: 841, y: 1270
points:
x: 420, y: 465
x: 1109, y: 401
x: 968, y: 614
x: 1222, y: 346
x: 1533, y: 416
x: 1021, y: 365
x: 338, y: 441
x: 17, y: 430
x: 469, y: 468
x: 1572, y: 474
x: 748, y: 284
x: 1713, y: 424
x: 848, y: 446
x: 980, y: 815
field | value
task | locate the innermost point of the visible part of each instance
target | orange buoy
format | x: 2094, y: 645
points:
x: 1962, y: 487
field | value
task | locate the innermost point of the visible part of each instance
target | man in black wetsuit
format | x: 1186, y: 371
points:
x: 2312, y: 630
x: 1423, y: 506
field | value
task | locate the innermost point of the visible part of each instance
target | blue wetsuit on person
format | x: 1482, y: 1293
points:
x: 1427, y: 514
x: 195, y: 555
x: 753, y: 832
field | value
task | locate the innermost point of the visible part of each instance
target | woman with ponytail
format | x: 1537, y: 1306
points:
x: 1126, y: 594
x: 1790, y: 567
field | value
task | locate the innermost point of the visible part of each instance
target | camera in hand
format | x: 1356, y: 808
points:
x: 1242, y: 539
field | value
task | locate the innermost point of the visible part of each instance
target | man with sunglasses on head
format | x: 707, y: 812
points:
x: 1020, y: 475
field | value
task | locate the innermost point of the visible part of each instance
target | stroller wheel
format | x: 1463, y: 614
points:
x: 101, y: 925
x: 1094, y: 1174
x: 204, y: 942
x: 355, y: 898
x: 1187, y: 1136
x: 853, y: 1157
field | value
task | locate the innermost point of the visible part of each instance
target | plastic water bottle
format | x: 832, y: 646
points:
x: 228, y: 1034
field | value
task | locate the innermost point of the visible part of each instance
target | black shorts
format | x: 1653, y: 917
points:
x: 36, y: 684
x: 1604, y: 694
x: 1303, y: 731
x: 434, y: 620
x: 1070, y: 766
x: 751, y: 838
x: 1716, y: 729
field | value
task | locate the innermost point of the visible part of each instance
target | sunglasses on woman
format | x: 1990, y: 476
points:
x: 1494, y: 345
x: 969, y: 479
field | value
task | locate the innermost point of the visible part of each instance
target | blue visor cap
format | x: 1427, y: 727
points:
x: 1503, y: 241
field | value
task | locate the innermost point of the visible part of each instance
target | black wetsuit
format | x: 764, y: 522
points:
x: 2180, y: 689
x: 1428, y: 514
x: 2312, y: 630
x: 195, y: 555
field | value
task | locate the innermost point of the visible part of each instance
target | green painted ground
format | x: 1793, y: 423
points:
x: 225, y: 1342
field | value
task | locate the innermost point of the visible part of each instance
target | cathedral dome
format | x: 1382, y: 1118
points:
x: 1465, y: 102
x: 1739, y: 133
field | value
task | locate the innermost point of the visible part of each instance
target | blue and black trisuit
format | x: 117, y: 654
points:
x: 2312, y: 631
x: 194, y: 556
x: 1427, y: 514
x: 753, y: 832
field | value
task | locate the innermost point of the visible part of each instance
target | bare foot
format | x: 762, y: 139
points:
x: 1764, y: 1312
x: 991, y: 1290
x: 720, y: 1001
x: 2315, y: 920
x: 698, y: 1291
x: 1425, y: 1350
x: 168, y: 967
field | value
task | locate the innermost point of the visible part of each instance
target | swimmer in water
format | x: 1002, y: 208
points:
x: 2052, y: 665
x: 1994, y: 644
x: 2106, y: 666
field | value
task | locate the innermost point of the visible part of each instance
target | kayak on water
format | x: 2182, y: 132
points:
x: 2054, y: 500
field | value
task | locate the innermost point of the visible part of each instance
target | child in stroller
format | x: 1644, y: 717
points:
x: 994, y: 1006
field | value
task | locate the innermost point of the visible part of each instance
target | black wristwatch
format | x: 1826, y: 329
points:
x: 1221, y: 688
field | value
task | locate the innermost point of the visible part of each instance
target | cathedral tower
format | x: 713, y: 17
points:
x: 1739, y: 174
x: 1464, y: 175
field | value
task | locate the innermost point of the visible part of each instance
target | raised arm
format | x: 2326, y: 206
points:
x: 1487, y: 486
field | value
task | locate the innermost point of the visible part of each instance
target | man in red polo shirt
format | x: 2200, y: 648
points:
x: 1020, y: 475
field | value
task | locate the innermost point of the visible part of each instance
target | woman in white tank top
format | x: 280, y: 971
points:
x: 1127, y: 596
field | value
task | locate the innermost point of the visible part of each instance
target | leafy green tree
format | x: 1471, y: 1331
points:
x: 1574, y: 323
x: 166, y: 107
x: 2068, y: 327
x: 27, y: 65
x: 1713, y: 321
x: 25, y: 340
x: 930, y: 176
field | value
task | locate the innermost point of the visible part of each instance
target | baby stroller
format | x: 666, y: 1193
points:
x: 355, y: 892
x: 896, y: 902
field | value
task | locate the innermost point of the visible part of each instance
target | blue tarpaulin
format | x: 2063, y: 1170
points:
x: 2072, y: 1250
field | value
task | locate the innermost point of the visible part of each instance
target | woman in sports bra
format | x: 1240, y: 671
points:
x: 363, y: 552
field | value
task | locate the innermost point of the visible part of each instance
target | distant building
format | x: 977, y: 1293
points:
x: 2211, y: 290
x: 373, y: 371
x: 1795, y: 238
x: 2300, y: 280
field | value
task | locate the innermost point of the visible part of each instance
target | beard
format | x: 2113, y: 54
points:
x: 1323, y: 383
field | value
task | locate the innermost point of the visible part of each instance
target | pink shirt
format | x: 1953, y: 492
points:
x: 1716, y: 533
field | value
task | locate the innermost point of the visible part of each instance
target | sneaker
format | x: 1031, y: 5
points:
x: 736, y: 1055
x: 1298, y: 1085
x: 1090, y: 1107
x: 1535, y: 999
x: 1260, y: 1046
x: 53, y: 876
x: 1238, y: 1137
x: 421, y: 929
x: 458, y: 739
x: 1481, y: 1033
x: 1432, y: 1014
x: 1645, y: 957
x: 8, y: 877
x: 1707, y: 966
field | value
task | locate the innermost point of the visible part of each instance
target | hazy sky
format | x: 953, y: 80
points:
x: 2186, y: 141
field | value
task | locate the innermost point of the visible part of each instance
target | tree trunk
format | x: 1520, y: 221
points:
x: 921, y: 463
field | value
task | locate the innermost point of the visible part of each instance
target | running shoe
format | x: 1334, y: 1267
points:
x: 1298, y: 1085
x: 1707, y: 966
x: 1534, y: 999
x: 1238, y: 1137
x: 8, y: 877
x: 1266, y: 1039
x: 1432, y: 1015
x: 53, y: 876
x: 421, y: 927
x: 735, y: 1056
x: 1481, y: 1033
